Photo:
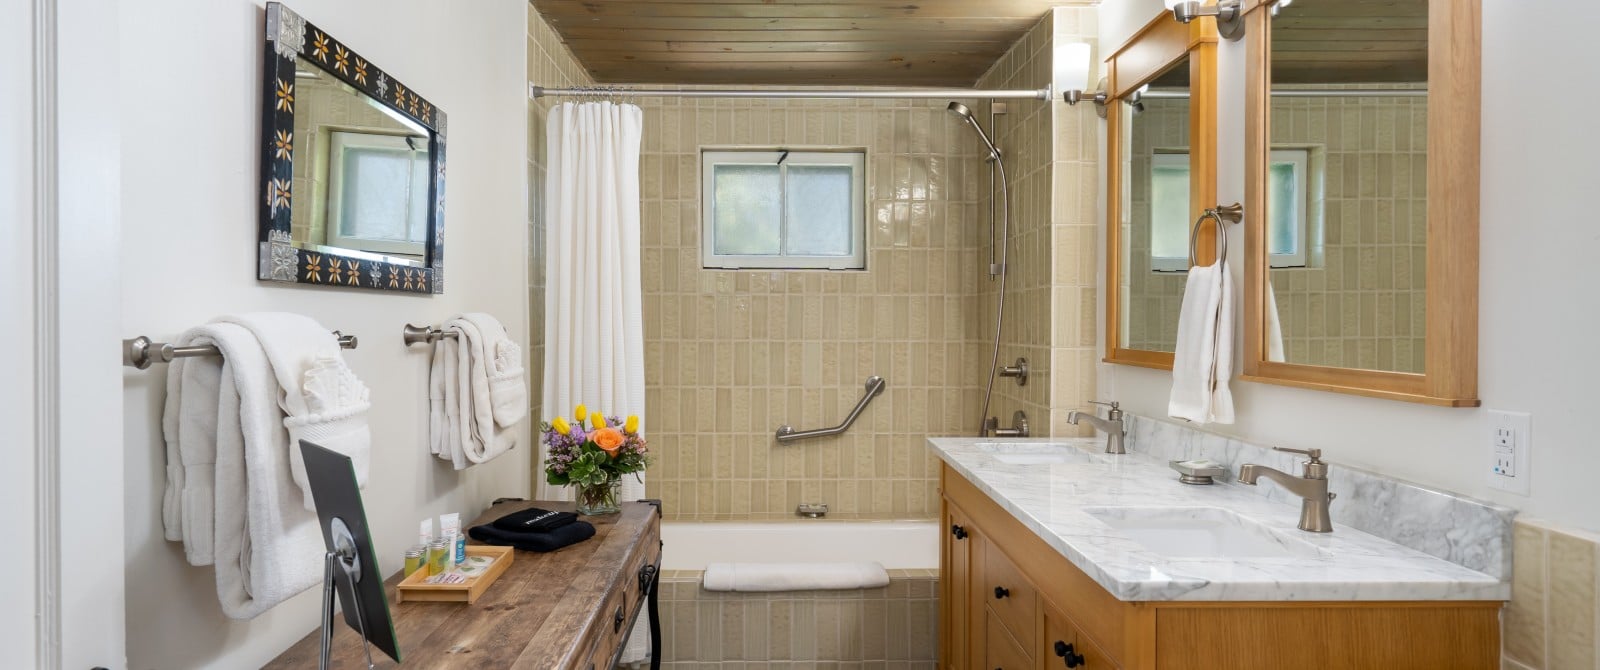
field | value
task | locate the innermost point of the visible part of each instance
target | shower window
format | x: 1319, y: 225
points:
x: 1290, y: 209
x: 783, y: 209
x: 378, y: 192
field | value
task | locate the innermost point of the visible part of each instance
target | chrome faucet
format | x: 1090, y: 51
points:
x: 1112, y: 425
x: 1019, y: 426
x: 1312, y: 488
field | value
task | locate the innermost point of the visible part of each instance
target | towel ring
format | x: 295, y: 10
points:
x: 1221, y: 214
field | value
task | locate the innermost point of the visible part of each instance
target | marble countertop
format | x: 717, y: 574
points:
x: 1064, y: 504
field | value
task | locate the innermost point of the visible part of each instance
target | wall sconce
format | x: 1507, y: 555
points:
x: 1074, y: 96
x: 1230, y: 21
x: 1072, y: 75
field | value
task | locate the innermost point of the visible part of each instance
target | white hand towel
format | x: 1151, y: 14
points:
x: 1203, y: 360
x: 462, y: 403
x: 266, y: 546
x: 324, y: 401
x: 502, y: 361
x: 766, y: 577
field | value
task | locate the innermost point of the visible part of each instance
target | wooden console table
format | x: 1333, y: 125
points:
x: 567, y: 609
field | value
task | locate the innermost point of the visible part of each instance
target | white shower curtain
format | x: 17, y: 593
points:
x: 594, y: 323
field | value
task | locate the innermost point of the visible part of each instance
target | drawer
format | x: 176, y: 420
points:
x: 1066, y: 646
x: 609, y: 633
x: 1000, y: 650
x: 1001, y: 585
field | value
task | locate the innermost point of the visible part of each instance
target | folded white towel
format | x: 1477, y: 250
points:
x: 226, y: 435
x: 757, y: 577
x: 324, y: 400
x: 477, y: 392
x: 1203, y: 360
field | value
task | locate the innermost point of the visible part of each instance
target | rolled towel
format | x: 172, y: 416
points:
x: 762, y: 577
x: 564, y: 536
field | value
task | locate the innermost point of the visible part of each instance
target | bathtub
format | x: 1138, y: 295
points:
x: 898, y: 545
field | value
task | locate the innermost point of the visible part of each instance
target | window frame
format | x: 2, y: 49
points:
x: 1170, y: 158
x: 339, y: 141
x: 854, y: 158
x: 1301, y: 158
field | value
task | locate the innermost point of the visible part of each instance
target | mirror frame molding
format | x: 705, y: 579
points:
x: 278, y: 259
x: 1156, y: 47
x: 1450, y: 375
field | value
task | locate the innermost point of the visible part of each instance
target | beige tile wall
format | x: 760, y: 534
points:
x: 731, y: 355
x: 1553, y: 621
x: 1362, y: 306
x: 891, y: 628
x: 1050, y: 153
x: 550, y: 63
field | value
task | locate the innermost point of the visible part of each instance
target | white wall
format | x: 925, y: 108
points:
x: 1538, y: 312
x: 190, y: 73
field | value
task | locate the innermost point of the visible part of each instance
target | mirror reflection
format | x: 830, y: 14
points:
x: 366, y: 170
x: 1155, y: 209
x: 1347, y: 184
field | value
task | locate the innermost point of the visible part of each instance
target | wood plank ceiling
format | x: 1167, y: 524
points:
x: 792, y: 42
x: 1350, y: 41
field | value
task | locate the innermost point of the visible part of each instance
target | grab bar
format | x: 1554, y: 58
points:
x: 875, y: 386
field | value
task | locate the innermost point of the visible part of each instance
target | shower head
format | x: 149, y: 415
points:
x: 963, y: 112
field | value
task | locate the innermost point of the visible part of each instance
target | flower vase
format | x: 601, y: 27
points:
x: 600, y: 498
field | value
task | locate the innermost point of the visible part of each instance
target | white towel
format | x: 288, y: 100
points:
x: 322, y: 397
x: 759, y: 577
x: 477, y: 392
x: 1203, y: 361
x: 226, y: 438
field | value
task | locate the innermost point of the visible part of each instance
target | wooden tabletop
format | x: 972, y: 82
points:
x: 532, y: 616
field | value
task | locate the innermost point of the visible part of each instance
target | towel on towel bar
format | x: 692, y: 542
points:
x: 758, y: 577
x: 231, y: 497
x: 477, y: 391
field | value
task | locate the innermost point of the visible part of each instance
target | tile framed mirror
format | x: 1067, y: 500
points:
x: 352, y: 168
x: 1161, y: 130
x: 1362, y: 132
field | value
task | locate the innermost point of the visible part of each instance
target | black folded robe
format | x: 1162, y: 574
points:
x: 564, y: 536
x: 533, y: 520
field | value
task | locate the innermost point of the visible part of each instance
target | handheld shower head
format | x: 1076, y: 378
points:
x: 964, y: 113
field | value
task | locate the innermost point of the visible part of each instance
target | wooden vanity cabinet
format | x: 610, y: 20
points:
x: 1047, y: 614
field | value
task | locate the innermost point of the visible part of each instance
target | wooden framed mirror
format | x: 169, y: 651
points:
x: 1161, y: 130
x: 1361, y: 197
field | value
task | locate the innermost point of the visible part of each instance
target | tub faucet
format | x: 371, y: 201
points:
x: 1112, y: 425
x: 1312, y: 488
x: 1019, y: 426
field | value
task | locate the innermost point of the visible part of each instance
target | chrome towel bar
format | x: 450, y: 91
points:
x: 875, y: 386
x: 140, y: 352
x: 425, y: 334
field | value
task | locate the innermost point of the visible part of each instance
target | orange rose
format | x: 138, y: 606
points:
x: 608, y: 439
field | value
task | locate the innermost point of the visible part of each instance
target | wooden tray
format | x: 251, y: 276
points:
x: 412, y: 589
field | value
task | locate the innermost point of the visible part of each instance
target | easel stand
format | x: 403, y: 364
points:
x: 344, y: 559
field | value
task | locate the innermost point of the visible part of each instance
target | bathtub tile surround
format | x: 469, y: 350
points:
x: 893, y: 628
x: 1467, y: 532
x: 1553, y: 620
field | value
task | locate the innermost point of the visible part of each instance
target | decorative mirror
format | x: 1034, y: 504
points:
x: 1362, y: 197
x: 352, y: 168
x: 1162, y: 133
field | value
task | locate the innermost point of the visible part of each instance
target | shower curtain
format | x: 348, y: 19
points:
x: 594, y: 324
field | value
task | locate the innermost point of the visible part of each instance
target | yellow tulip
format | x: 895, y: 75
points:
x: 561, y: 426
x: 599, y: 420
x: 581, y: 413
x: 632, y: 425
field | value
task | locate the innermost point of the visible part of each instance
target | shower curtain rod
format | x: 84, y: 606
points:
x: 939, y: 93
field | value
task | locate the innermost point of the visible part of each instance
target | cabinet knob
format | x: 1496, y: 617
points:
x: 1067, y: 653
x: 1001, y: 592
x: 617, y: 619
x: 958, y: 531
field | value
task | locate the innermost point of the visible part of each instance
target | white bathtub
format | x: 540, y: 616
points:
x: 898, y: 545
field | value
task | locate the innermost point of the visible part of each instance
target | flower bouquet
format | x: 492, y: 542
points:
x: 593, y: 461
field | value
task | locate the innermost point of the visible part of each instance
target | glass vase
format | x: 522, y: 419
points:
x: 600, y: 498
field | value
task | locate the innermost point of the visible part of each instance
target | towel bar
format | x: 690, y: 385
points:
x: 424, y: 334
x: 140, y: 352
x: 875, y: 385
x: 1233, y: 213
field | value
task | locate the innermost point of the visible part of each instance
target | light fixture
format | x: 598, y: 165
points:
x: 1074, y: 96
x: 1230, y: 21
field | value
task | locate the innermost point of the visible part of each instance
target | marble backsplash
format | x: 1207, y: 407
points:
x: 1470, y: 533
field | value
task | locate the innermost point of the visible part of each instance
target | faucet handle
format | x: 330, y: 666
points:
x: 1113, y: 404
x: 1314, y: 454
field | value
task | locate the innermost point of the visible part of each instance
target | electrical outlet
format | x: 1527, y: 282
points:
x: 1510, y: 436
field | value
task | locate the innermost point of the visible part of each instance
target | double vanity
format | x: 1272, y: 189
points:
x: 1056, y: 552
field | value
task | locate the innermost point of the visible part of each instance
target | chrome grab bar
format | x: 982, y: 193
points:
x: 875, y: 386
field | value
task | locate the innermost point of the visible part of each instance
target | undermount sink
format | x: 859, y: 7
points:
x: 1201, y: 532
x: 1038, y: 453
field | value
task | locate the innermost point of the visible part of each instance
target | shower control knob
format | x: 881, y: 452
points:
x: 1001, y: 592
x: 958, y: 531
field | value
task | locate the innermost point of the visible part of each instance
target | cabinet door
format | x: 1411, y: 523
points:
x: 1000, y: 650
x: 1064, y: 646
x: 954, y: 587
